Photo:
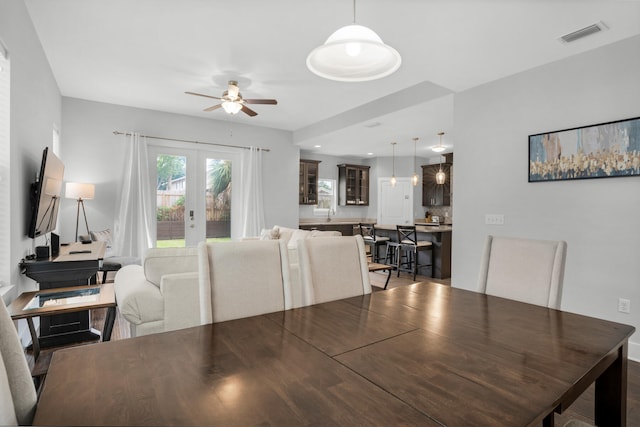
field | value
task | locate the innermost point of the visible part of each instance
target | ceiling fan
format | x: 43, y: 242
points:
x: 233, y: 102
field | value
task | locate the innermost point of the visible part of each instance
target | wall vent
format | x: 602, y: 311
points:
x: 583, y: 32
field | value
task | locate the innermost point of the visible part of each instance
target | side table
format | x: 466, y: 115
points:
x: 50, y: 302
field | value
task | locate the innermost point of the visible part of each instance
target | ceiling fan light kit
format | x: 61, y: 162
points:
x: 233, y: 102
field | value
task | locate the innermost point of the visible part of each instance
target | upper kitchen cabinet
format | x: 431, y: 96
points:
x: 434, y: 194
x: 353, y: 185
x: 308, y: 191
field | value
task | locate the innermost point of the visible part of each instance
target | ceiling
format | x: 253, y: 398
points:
x: 147, y: 53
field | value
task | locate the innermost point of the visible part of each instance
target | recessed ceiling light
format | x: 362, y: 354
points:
x: 317, y: 146
x: 369, y: 154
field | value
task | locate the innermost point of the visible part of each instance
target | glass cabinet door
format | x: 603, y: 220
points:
x: 308, y: 194
x: 353, y: 185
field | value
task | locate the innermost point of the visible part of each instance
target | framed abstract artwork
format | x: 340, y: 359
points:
x: 598, y: 151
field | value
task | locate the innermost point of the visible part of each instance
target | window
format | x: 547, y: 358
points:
x: 326, y: 197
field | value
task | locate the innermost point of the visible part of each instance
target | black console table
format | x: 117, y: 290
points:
x: 76, y: 264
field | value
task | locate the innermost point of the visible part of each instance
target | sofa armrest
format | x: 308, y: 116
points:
x: 181, y: 300
x: 139, y: 301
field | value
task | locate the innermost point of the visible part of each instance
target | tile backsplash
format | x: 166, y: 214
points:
x: 444, y: 212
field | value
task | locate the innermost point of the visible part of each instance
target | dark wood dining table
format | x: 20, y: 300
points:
x: 423, y: 354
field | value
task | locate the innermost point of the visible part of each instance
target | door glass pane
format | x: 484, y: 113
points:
x: 170, y: 200
x: 218, y: 199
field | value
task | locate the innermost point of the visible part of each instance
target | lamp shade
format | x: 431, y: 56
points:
x: 52, y: 187
x: 353, y: 53
x: 74, y: 190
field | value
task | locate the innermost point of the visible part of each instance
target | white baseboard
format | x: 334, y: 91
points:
x: 634, y: 351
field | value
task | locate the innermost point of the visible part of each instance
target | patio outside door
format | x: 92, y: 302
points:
x: 194, y: 198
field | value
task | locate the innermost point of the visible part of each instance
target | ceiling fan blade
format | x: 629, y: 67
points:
x: 249, y: 111
x: 215, y: 107
x: 261, y: 101
x: 200, y: 94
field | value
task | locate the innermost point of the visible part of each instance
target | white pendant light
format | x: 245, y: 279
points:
x: 393, y: 174
x: 353, y: 53
x: 439, y: 148
x: 415, y: 178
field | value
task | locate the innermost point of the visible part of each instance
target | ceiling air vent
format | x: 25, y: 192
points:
x: 583, y: 32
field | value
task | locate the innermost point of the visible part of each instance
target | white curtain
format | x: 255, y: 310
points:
x: 134, y: 233
x: 253, y: 203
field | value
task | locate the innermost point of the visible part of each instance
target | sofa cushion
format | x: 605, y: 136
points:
x: 161, y: 261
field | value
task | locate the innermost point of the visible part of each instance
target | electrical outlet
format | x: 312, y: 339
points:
x: 494, y: 219
x: 624, y: 305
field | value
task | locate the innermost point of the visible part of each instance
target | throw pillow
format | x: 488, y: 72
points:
x: 101, y: 236
x: 270, y: 233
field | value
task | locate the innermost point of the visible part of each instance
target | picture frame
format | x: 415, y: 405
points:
x: 603, y: 150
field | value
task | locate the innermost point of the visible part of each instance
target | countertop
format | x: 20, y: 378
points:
x: 442, y: 228
x: 421, y: 226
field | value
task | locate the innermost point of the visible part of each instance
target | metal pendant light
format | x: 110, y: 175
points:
x: 415, y: 178
x: 440, y: 175
x: 353, y: 53
x: 393, y: 174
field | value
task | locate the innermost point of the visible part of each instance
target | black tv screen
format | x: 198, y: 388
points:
x: 45, y: 195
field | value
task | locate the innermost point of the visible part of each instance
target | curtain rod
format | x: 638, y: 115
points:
x: 115, y: 132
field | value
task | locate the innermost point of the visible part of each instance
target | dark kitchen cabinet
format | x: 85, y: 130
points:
x: 434, y: 194
x: 353, y: 185
x: 308, y: 190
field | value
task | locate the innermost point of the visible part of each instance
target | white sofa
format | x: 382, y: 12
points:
x: 161, y: 294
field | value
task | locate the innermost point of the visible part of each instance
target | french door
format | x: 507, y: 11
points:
x: 195, y: 199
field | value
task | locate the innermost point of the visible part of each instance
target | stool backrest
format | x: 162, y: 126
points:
x: 368, y: 231
x: 407, y: 234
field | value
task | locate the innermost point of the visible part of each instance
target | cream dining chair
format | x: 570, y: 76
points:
x: 18, y: 405
x: 333, y: 268
x: 242, y: 279
x: 525, y: 270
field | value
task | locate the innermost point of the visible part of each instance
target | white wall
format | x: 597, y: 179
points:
x: 35, y: 110
x: 93, y: 154
x: 599, y: 218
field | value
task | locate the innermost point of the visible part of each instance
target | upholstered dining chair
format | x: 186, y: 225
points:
x: 368, y: 233
x: 242, y: 279
x: 333, y: 268
x: 525, y: 270
x: 17, y: 391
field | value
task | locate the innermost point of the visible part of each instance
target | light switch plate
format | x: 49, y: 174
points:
x: 494, y: 219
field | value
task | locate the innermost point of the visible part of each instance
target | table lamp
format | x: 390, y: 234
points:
x: 80, y: 192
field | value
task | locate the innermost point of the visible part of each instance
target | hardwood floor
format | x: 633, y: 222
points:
x: 582, y: 409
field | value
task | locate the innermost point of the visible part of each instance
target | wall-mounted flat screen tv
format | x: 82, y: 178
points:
x: 45, y: 195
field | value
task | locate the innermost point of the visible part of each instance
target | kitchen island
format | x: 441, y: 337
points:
x: 438, y: 235
x: 440, y: 238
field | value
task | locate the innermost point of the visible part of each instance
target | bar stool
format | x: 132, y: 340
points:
x: 368, y: 233
x: 410, y: 247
